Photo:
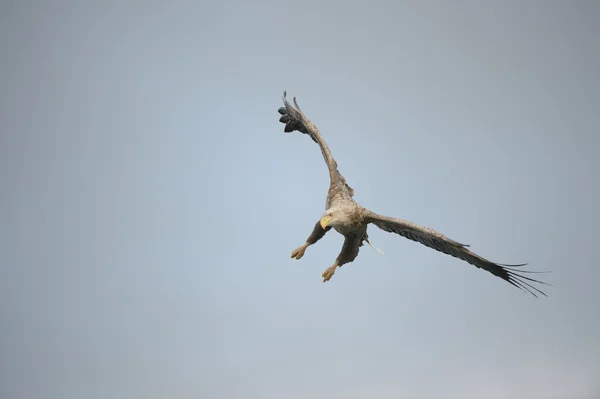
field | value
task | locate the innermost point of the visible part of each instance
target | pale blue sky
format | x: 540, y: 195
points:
x: 150, y: 199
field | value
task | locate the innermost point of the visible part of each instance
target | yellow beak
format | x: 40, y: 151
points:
x: 325, y: 221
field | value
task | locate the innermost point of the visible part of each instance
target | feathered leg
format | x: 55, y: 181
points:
x: 317, y: 233
x: 349, y: 252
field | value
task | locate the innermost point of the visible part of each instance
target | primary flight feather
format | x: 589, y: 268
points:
x: 348, y: 218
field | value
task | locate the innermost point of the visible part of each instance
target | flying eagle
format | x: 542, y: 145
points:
x: 350, y: 219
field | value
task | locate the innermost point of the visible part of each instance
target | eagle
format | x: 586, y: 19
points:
x: 348, y: 218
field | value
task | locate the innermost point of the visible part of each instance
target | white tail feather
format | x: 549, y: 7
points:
x: 373, y: 246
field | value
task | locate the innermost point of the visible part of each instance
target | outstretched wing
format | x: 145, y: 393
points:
x: 441, y: 243
x: 294, y: 119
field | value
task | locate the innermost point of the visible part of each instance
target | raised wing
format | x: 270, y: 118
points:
x: 294, y: 119
x: 441, y: 243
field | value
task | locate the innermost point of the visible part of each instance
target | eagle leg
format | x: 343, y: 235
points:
x: 352, y: 244
x: 317, y: 233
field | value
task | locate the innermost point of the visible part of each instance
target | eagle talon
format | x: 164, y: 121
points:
x: 328, y: 274
x: 299, y: 252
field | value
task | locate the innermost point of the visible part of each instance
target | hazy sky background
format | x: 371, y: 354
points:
x: 150, y: 199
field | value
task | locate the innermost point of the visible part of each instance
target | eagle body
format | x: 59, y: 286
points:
x: 350, y: 219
